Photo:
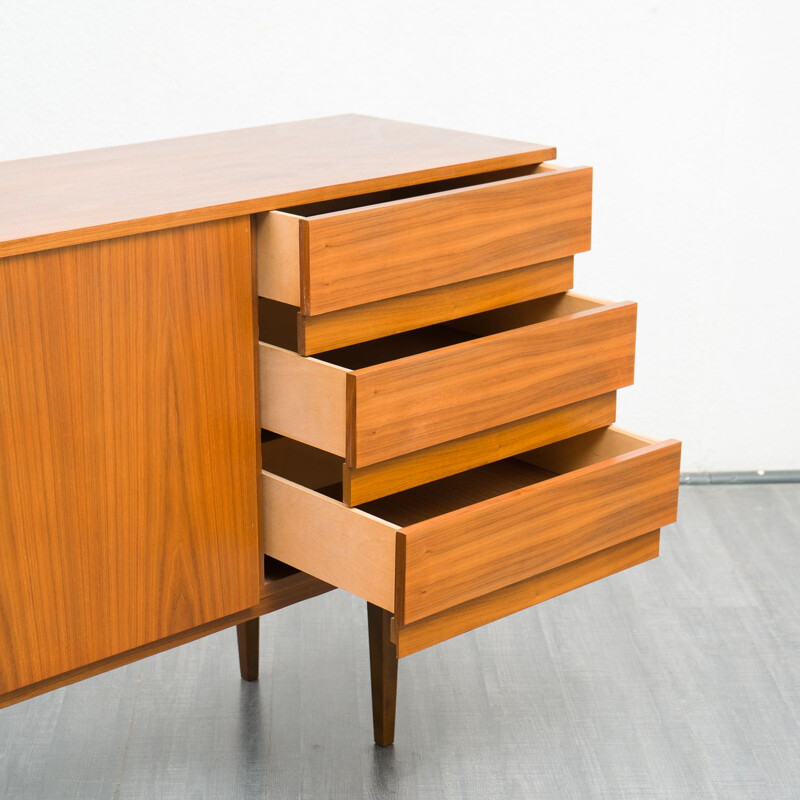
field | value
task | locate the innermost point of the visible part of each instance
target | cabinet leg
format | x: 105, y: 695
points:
x: 383, y: 669
x: 247, y: 636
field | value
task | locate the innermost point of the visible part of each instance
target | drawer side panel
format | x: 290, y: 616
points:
x: 404, y: 313
x: 339, y: 545
x: 303, y: 398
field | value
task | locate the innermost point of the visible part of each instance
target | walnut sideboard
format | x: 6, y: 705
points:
x: 241, y: 369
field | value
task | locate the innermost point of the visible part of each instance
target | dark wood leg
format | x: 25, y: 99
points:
x: 247, y: 635
x: 383, y: 669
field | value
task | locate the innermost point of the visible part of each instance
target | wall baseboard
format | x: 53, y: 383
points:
x: 762, y: 476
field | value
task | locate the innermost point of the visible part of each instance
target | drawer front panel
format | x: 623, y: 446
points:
x: 510, y: 599
x: 354, y: 257
x: 423, y: 466
x: 478, y: 549
x: 413, y: 403
x: 321, y: 332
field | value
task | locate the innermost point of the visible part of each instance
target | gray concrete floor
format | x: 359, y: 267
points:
x: 677, y: 679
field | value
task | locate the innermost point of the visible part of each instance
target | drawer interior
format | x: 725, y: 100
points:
x: 321, y: 471
x: 456, y: 491
x: 311, y: 210
x: 276, y: 571
x: 429, y: 548
x: 278, y: 326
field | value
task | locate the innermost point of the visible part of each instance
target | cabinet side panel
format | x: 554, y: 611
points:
x: 128, y: 505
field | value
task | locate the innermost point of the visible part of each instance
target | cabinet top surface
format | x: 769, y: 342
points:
x: 53, y: 201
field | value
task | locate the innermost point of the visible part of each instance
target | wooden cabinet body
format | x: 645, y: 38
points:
x: 241, y: 369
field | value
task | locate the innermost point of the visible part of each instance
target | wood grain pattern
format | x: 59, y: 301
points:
x: 478, y: 549
x: 128, y: 509
x: 386, y: 398
x: 342, y: 546
x: 510, y: 599
x: 303, y: 398
x: 384, y: 317
x: 446, y: 543
x: 275, y: 595
x: 371, y: 253
x: 387, y: 477
x: 99, y: 194
x: 422, y: 400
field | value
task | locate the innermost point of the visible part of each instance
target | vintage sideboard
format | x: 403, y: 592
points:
x: 240, y: 369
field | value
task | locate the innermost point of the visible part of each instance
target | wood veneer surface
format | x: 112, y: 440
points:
x: 128, y: 497
x: 59, y: 200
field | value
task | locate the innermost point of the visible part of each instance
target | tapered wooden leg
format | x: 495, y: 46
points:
x: 247, y: 635
x: 383, y: 669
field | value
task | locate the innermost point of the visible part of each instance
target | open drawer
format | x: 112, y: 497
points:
x: 438, y: 546
x: 385, y: 398
x: 343, y: 253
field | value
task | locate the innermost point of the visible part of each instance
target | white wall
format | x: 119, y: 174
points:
x: 687, y: 109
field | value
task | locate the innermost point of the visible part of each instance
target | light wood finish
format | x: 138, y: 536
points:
x: 475, y: 550
x: 348, y: 326
x: 132, y: 511
x: 476, y: 532
x: 552, y: 307
x: 99, y: 194
x: 247, y: 640
x: 589, y: 448
x: 422, y: 388
x: 383, y: 674
x: 510, y: 599
x: 128, y: 507
x: 344, y: 546
x: 278, y: 242
x: 387, y: 477
x: 372, y: 252
x: 275, y: 595
x: 304, y: 398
